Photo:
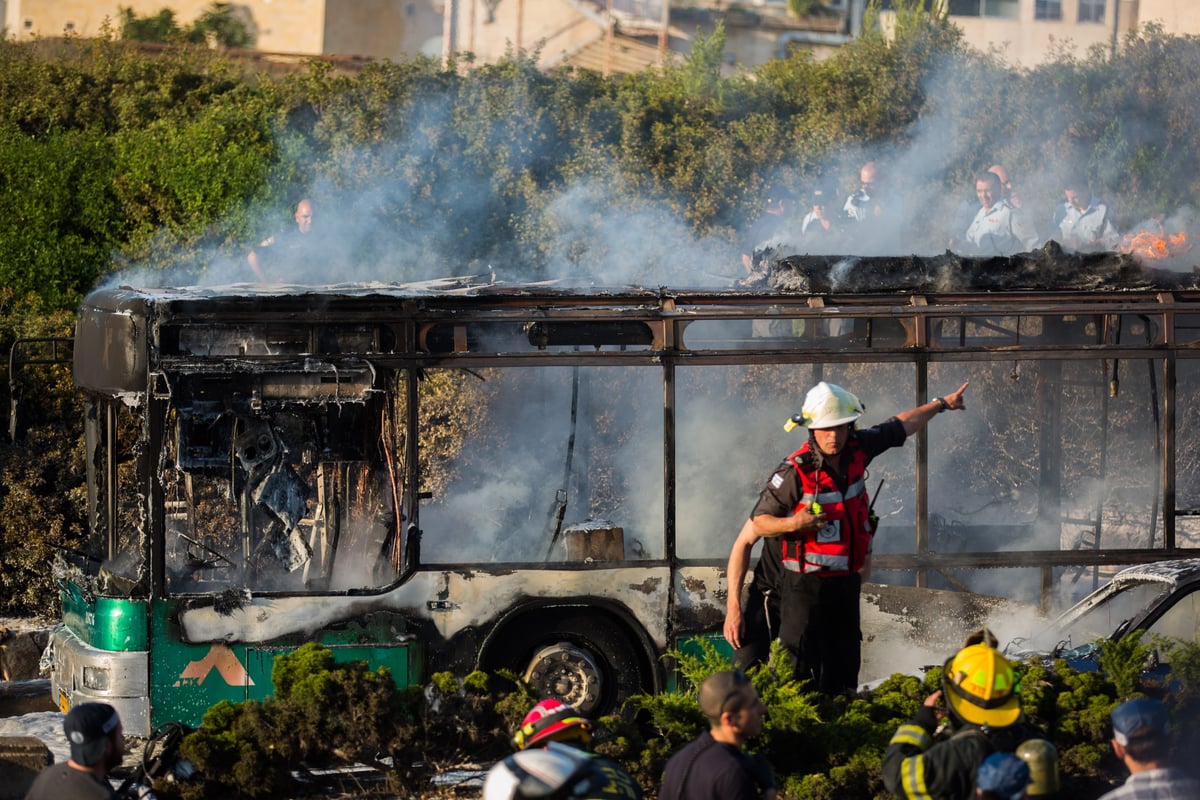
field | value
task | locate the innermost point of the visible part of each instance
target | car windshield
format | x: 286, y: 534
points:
x: 1098, y: 616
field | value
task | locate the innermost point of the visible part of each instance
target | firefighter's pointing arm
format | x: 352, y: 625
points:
x: 916, y: 418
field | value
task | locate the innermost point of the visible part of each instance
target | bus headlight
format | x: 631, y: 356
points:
x: 96, y: 678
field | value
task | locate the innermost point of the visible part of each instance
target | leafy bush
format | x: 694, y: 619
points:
x: 322, y: 714
x: 221, y: 23
x: 832, y: 747
x: 325, y: 714
x: 42, y: 496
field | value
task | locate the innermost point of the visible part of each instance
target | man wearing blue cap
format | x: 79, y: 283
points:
x: 97, y: 743
x: 1142, y: 739
x: 1002, y: 776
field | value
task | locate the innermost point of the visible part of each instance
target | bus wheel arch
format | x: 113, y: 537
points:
x: 589, y: 657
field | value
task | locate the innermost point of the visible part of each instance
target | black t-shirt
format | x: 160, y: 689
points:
x: 706, y: 769
x: 783, y: 491
x: 63, y: 782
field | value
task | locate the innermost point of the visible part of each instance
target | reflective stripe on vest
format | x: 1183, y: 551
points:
x: 847, y: 552
x: 829, y: 498
x: 819, y: 562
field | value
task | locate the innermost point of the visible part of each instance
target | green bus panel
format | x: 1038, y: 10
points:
x: 106, y: 623
x: 188, y: 679
x: 695, y: 645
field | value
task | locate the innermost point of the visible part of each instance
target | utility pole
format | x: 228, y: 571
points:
x: 447, y: 33
x: 609, y: 40
x: 520, y: 22
x: 663, y: 35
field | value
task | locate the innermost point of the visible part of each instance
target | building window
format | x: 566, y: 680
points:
x: 1091, y: 10
x: 1047, y: 9
x: 69, y: 27
x: 1006, y: 9
x: 28, y: 24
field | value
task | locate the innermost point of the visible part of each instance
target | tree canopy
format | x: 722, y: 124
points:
x: 112, y: 159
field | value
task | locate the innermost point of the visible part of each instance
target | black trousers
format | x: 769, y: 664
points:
x: 820, y: 626
x: 760, y: 626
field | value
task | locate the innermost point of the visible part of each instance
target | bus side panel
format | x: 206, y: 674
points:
x: 188, y: 679
x: 402, y: 660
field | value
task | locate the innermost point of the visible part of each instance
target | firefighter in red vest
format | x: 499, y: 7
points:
x: 814, y: 517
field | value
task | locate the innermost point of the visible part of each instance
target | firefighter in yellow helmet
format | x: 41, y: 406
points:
x: 814, y: 517
x: 983, y: 708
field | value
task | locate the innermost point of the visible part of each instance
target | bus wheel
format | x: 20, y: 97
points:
x: 587, y: 662
x: 568, y: 673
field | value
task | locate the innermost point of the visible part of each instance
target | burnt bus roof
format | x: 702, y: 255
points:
x: 1048, y: 269
x: 112, y: 344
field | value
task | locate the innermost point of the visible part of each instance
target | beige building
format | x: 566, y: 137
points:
x: 610, y: 35
x: 375, y: 28
x: 1027, y: 32
x: 393, y: 29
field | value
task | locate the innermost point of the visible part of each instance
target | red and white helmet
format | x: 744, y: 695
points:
x: 552, y: 721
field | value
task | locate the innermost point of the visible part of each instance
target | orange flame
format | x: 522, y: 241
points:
x: 1156, y: 246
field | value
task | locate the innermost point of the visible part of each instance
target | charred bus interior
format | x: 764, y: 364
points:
x: 467, y: 475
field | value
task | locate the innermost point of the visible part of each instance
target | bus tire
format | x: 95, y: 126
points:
x: 588, y: 662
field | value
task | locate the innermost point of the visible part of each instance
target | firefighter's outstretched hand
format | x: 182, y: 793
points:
x: 954, y: 400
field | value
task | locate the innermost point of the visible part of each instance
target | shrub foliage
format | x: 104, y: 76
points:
x: 325, y: 714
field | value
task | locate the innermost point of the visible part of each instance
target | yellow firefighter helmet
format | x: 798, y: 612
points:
x: 980, y: 687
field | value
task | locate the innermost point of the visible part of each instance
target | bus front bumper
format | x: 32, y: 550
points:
x: 81, y: 673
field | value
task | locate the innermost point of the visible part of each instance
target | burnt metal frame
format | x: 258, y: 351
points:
x: 667, y: 313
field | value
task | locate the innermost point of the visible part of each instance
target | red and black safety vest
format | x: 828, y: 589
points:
x: 842, y: 546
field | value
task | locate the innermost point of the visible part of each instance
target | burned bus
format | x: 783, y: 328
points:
x: 456, y: 475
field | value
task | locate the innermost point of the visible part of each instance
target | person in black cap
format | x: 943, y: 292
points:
x: 714, y: 766
x: 820, y: 230
x: 1142, y: 739
x: 97, y: 746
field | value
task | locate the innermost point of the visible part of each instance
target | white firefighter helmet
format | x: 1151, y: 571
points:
x: 555, y: 772
x: 829, y: 405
